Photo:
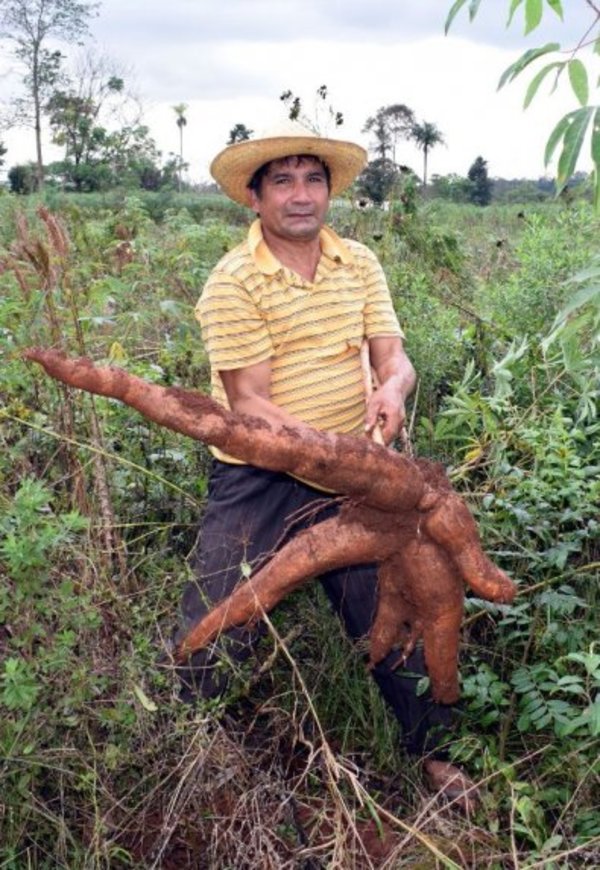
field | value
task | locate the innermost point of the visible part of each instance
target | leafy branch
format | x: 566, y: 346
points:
x: 576, y: 126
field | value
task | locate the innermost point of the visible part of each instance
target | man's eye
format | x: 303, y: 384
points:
x: 318, y: 179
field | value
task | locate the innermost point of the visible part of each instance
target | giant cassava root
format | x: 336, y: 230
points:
x: 399, y: 513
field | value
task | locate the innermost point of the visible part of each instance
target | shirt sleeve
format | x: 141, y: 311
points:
x: 380, y: 317
x: 234, y: 333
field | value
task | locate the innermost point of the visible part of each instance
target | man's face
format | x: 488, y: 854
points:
x: 293, y: 199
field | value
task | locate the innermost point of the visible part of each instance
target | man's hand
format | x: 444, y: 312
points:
x: 386, y: 409
x: 396, y: 377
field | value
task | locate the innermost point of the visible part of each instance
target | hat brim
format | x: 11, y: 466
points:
x: 233, y: 167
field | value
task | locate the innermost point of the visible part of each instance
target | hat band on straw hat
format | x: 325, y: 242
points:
x: 233, y: 167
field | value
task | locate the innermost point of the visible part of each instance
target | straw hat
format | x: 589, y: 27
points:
x: 233, y: 167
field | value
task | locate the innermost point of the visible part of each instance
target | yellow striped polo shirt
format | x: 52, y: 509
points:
x: 253, y: 308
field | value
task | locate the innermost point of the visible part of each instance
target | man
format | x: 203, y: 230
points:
x: 283, y: 318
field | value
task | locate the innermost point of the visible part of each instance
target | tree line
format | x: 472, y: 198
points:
x: 91, y: 113
x: 87, y: 108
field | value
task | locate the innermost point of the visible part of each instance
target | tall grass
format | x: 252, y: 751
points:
x: 101, y: 765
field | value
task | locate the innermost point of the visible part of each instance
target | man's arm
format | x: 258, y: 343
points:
x: 397, y: 379
x: 249, y: 392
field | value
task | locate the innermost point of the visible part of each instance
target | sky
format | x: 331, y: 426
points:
x: 230, y: 60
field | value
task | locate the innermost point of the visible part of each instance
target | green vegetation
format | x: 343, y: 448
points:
x: 101, y: 765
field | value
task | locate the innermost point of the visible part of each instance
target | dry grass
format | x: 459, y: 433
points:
x: 260, y: 786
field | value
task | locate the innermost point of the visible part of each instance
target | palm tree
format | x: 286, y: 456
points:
x: 426, y: 135
x: 180, y: 109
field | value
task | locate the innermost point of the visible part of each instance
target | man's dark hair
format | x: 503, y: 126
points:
x: 255, y: 182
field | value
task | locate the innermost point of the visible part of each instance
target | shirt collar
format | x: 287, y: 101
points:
x: 331, y: 246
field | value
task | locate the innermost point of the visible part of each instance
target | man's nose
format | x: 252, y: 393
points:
x: 300, y: 191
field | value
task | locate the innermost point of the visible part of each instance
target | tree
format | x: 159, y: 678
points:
x: 377, y: 180
x: 126, y: 157
x: 29, y: 25
x: 427, y: 136
x: 180, y: 109
x: 239, y: 133
x: 21, y: 178
x: 74, y: 120
x: 88, y: 99
x: 86, y: 116
x: 2, y: 153
x: 481, y: 185
x: 131, y: 155
x: 387, y: 125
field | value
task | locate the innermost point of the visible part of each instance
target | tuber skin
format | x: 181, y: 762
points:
x: 399, y: 513
x: 321, y: 458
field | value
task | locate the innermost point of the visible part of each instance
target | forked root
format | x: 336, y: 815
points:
x: 403, y: 515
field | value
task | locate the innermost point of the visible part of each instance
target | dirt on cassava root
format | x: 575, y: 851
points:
x: 399, y: 513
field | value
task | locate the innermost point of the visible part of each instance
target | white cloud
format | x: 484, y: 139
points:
x: 231, y: 60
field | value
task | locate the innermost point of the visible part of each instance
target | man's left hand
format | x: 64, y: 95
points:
x: 385, y: 409
x: 396, y: 376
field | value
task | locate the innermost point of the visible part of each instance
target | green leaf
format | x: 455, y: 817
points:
x: 590, y: 273
x: 422, y: 686
x: 374, y: 815
x: 570, y: 680
x: 144, y: 700
x: 589, y: 719
x: 513, y: 8
x: 572, y: 142
x: 596, y: 157
x: 582, y: 297
x: 556, y: 6
x: 473, y: 7
x: 579, y: 81
x: 594, y: 716
x: 526, y: 58
x: 456, y: 7
x: 590, y: 661
x: 19, y: 690
x: 552, y: 843
x: 556, y: 135
x: 539, y: 78
x: 533, y: 14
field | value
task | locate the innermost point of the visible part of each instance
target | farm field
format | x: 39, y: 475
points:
x: 101, y: 765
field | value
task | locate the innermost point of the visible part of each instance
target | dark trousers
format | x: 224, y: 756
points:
x: 249, y: 514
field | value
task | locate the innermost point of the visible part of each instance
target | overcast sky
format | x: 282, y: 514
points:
x: 230, y: 60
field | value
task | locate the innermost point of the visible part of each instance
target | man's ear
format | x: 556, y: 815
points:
x: 254, y: 201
